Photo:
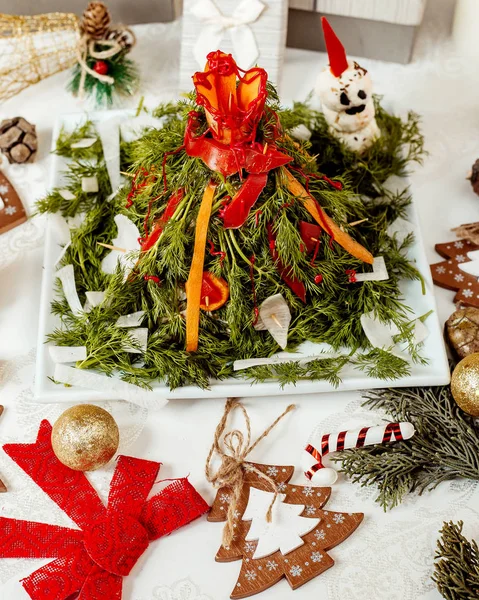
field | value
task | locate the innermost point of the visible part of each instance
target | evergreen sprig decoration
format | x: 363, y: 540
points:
x: 103, y: 69
x: 456, y: 570
x: 444, y: 447
x: 333, y: 309
x: 122, y: 69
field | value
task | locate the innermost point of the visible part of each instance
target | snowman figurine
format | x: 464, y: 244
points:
x: 345, y: 91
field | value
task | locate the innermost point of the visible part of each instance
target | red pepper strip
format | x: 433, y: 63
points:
x: 216, y: 156
x: 237, y: 211
x: 135, y: 186
x: 219, y: 253
x: 290, y: 280
x: 160, y: 223
x: 310, y: 233
x: 258, y: 161
x: 228, y: 160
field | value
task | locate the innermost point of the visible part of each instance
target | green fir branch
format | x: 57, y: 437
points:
x: 456, y: 570
x: 443, y: 448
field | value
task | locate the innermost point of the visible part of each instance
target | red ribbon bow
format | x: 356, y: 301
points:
x: 91, y: 562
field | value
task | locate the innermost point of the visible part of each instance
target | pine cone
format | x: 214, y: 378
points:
x: 18, y: 140
x: 125, y: 37
x: 474, y: 177
x: 96, y: 20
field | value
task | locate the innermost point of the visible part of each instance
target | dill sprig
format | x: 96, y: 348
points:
x: 66, y: 139
x: 443, y: 448
x: 331, y: 315
x: 456, y: 570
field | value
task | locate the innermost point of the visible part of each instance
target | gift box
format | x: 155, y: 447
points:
x: 253, y: 31
x: 382, y: 30
x: 140, y: 11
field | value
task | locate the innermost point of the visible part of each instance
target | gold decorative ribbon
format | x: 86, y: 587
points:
x: 35, y: 47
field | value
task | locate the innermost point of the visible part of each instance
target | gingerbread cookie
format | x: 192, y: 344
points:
x: 449, y: 275
x: 462, y: 332
x: 12, y: 212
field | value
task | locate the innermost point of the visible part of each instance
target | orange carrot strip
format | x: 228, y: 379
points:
x: 322, y: 219
x: 195, y: 278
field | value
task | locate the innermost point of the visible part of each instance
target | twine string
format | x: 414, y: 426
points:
x: 233, y: 447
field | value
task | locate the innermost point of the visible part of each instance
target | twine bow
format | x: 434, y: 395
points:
x: 87, y: 48
x: 233, y: 452
x: 245, y: 47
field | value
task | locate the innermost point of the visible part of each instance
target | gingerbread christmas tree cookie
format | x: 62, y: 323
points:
x: 12, y: 212
x: 455, y: 272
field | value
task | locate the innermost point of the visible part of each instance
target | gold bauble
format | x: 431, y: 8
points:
x: 465, y: 384
x: 85, y: 437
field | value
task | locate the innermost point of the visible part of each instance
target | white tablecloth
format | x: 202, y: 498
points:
x: 390, y: 555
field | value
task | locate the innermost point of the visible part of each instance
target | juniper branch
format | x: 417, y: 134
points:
x: 456, y: 570
x: 444, y: 447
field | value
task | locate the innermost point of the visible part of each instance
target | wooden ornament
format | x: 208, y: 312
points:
x: 301, y: 557
x: 12, y: 211
x: 449, y: 275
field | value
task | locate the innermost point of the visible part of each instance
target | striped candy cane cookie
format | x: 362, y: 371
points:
x: 322, y: 445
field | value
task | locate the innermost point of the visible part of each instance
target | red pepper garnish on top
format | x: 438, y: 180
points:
x: 219, y: 253
x: 234, y: 102
x: 286, y: 273
x: 226, y: 159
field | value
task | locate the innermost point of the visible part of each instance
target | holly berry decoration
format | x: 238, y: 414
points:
x: 294, y: 544
x: 101, y: 67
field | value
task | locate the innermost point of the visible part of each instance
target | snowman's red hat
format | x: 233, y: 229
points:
x: 338, y: 61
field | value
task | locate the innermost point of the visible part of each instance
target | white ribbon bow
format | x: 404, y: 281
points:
x: 245, y: 47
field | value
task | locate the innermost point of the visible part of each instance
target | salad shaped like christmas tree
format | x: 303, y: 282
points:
x: 246, y: 246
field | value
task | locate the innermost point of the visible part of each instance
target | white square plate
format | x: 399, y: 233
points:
x: 436, y: 372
